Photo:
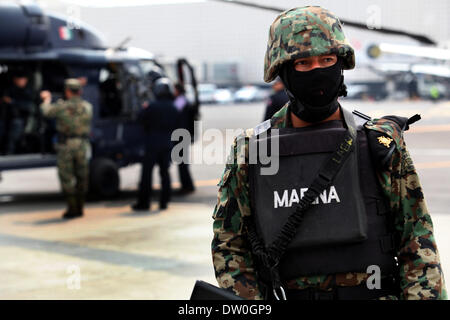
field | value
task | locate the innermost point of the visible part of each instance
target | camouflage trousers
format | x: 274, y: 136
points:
x: 73, y: 166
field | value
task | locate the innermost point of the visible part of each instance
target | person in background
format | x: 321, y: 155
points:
x: 276, y: 100
x: 20, y: 104
x: 73, y: 123
x: 183, y: 107
x: 159, y: 119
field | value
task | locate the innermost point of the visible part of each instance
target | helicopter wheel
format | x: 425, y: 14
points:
x: 104, y: 178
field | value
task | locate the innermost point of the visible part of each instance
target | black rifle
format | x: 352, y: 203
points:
x: 205, y: 291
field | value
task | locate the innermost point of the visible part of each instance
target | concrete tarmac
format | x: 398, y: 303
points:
x: 115, y: 253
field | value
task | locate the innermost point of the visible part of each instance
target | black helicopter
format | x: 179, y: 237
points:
x: 46, y: 49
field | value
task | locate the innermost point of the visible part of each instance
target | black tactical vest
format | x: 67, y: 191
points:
x: 348, y: 228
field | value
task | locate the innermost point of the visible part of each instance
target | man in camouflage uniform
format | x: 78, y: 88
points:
x: 301, y: 34
x: 73, y: 124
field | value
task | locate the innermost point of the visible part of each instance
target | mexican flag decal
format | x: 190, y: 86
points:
x: 65, y: 33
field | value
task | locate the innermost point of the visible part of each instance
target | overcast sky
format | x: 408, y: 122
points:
x: 128, y: 3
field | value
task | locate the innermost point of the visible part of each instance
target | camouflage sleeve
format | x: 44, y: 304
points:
x: 420, y: 270
x: 232, y: 259
x: 50, y: 110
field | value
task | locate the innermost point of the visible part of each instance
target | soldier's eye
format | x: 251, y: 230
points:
x: 329, y: 59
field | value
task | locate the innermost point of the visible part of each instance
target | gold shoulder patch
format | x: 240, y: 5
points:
x: 385, y: 141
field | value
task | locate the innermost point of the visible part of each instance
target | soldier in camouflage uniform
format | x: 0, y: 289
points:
x: 73, y: 124
x: 313, y: 32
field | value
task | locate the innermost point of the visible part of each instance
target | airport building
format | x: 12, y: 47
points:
x: 227, y: 42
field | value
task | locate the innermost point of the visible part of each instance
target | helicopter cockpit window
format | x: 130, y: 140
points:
x: 135, y: 92
x: 110, y: 92
x: 152, y: 71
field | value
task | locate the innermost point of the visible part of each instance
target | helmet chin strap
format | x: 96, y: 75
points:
x: 342, y: 92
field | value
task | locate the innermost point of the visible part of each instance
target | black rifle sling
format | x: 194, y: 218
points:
x: 271, y: 256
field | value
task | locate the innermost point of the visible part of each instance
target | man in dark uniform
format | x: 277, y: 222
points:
x: 185, y: 119
x: 160, y: 119
x: 276, y: 100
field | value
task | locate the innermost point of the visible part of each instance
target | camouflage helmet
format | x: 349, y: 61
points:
x: 72, y: 84
x: 305, y: 32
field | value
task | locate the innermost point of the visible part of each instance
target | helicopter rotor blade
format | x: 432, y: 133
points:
x: 421, y: 38
x: 122, y: 44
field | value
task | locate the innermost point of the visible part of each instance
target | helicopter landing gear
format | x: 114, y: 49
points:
x: 104, y: 178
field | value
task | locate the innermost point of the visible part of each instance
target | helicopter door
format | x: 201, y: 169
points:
x: 110, y: 114
x: 134, y: 88
x: 117, y: 134
x: 135, y: 95
x: 110, y: 85
x: 186, y: 77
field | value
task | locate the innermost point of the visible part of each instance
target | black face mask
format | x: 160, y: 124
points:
x: 314, y: 93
